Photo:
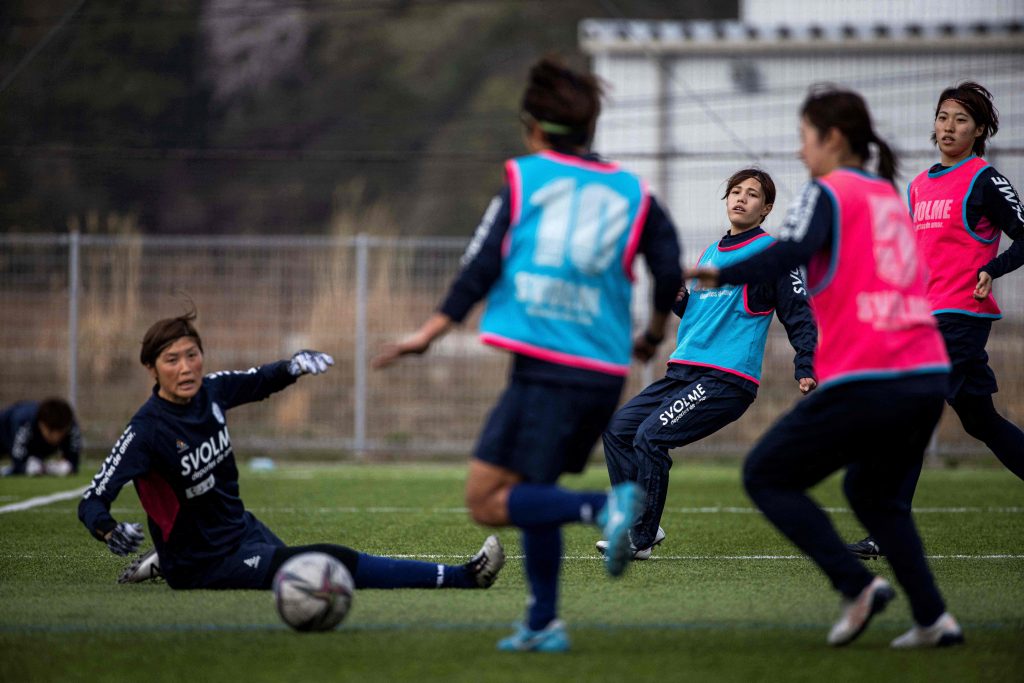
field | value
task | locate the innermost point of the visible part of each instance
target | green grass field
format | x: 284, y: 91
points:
x: 726, y: 599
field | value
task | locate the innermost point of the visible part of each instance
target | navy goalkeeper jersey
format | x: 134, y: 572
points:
x: 182, y: 463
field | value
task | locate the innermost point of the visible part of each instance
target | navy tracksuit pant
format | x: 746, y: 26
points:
x: 668, y: 414
x: 878, y: 430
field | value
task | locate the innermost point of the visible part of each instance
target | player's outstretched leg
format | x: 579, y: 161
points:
x: 375, y: 571
x: 145, y: 567
x: 625, y: 502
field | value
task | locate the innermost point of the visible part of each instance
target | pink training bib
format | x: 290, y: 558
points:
x: 869, y: 294
x: 952, y: 251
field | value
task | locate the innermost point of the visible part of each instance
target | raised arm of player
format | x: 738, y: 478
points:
x: 237, y: 387
x: 481, y: 268
x: 806, y: 230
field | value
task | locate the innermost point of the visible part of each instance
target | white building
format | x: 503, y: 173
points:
x: 691, y: 102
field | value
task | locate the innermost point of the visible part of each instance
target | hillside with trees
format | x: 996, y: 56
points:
x: 272, y: 116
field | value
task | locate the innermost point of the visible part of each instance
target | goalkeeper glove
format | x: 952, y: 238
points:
x: 309, y: 362
x: 125, y: 538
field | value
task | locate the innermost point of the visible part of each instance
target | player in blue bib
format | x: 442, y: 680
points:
x: 715, y: 370
x: 178, y: 453
x: 554, y: 255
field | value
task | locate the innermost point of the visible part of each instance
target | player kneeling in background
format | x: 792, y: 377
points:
x: 31, y: 431
x: 178, y: 453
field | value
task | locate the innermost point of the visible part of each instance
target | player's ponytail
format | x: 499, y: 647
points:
x: 563, y: 103
x: 827, y: 107
x: 887, y: 163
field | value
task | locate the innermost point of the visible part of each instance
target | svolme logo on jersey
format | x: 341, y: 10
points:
x: 892, y: 310
x: 201, y: 460
x: 932, y: 213
x: 552, y: 297
x: 1006, y: 189
x: 684, y: 404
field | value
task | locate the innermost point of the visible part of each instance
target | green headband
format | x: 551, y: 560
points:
x: 555, y: 128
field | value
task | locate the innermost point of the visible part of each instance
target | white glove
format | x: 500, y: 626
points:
x: 309, y: 362
x: 125, y: 538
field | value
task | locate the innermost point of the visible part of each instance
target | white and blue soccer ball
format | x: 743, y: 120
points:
x: 313, y: 592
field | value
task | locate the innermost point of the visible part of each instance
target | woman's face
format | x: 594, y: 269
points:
x: 744, y: 205
x: 815, y: 152
x: 179, y: 370
x: 955, y: 130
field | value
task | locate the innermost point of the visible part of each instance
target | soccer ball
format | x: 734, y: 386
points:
x: 313, y: 592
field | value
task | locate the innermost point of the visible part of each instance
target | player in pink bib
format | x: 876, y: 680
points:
x: 881, y: 366
x: 960, y: 207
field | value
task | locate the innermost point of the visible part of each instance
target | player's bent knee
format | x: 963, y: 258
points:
x: 486, y: 510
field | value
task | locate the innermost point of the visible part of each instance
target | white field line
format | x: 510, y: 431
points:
x: 595, y: 556
x: 394, y: 509
x: 43, y: 500
x: 390, y: 509
x: 678, y: 558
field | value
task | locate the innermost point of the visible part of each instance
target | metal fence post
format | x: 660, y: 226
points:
x: 74, y: 245
x: 362, y: 245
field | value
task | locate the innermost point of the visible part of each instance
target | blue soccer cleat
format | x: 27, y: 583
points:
x: 551, y: 638
x: 617, y: 518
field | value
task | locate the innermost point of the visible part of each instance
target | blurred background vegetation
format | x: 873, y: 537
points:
x: 273, y: 116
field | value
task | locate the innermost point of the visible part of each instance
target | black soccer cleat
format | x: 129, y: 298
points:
x: 866, y: 550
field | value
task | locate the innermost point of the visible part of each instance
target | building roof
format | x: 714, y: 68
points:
x: 602, y: 36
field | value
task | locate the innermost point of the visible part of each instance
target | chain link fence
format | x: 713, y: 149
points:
x: 74, y: 309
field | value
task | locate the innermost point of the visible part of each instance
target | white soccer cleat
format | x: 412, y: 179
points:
x: 644, y: 554
x: 485, y: 565
x: 145, y: 567
x: 943, y: 633
x: 858, y: 612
